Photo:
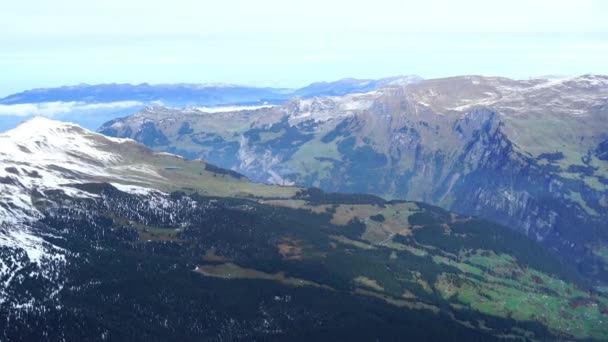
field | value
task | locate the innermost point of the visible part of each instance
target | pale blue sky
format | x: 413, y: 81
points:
x: 292, y: 43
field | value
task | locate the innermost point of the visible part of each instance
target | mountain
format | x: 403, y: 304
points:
x: 183, y: 95
x: 104, y: 239
x: 179, y: 95
x: 43, y: 156
x: 352, y: 85
x: 530, y: 154
x: 92, y: 105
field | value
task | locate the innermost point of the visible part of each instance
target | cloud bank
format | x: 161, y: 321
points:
x: 52, y: 109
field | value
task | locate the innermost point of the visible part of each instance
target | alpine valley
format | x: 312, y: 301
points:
x: 105, y: 239
x: 529, y: 154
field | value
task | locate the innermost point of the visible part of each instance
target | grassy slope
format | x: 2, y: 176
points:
x: 171, y: 173
x: 415, y: 257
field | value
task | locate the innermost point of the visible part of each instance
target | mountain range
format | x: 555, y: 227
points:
x: 529, y: 154
x: 102, y: 238
x: 92, y: 105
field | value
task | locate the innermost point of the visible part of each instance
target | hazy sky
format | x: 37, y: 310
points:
x: 292, y: 43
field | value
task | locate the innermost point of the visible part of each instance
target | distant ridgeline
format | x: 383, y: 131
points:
x: 92, y: 105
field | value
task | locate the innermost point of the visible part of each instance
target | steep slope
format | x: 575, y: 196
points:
x: 139, y: 245
x: 529, y: 154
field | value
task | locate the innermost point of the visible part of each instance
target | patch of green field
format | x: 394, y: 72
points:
x: 409, y: 248
x: 540, y: 133
x: 305, y: 160
x: 346, y: 241
x: 269, y: 135
x: 397, y: 301
x: 233, y: 271
x: 488, y: 260
x: 576, y: 197
x: 594, y: 182
x: 148, y: 233
x: 216, y: 123
x: 534, y: 296
x: 418, y: 279
x: 369, y: 283
x: 316, y: 148
x: 212, y: 256
x: 299, y: 204
x: 495, y: 284
x: 158, y: 234
x: 464, y: 267
x: 395, y: 219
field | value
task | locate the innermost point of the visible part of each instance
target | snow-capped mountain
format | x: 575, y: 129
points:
x: 39, y: 161
x: 44, y: 164
x: 44, y: 155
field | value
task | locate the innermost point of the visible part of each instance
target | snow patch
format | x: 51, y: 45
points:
x: 134, y: 189
x: 231, y: 108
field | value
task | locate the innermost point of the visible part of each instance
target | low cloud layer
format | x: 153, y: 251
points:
x: 52, y: 109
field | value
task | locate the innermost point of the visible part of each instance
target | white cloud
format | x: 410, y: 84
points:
x: 51, y: 109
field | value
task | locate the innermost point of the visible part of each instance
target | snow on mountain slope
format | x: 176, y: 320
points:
x: 511, y: 97
x: 42, y: 160
x: 323, y: 109
x: 42, y: 164
x: 39, y: 157
x: 42, y: 155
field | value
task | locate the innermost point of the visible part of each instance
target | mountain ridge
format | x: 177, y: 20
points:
x: 130, y: 91
x: 526, y: 153
x: 92, y: 105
